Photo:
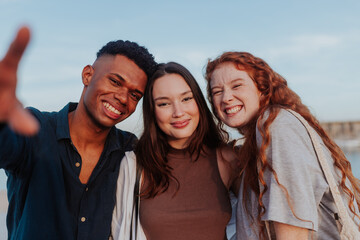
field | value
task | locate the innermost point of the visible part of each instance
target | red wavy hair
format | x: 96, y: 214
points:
x: 276, y: 95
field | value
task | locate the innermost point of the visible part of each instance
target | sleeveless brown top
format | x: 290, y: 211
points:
x: 200, y: 209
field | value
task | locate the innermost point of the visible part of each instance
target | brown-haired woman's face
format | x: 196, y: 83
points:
x: 235, y: 97
x: 176, y: 111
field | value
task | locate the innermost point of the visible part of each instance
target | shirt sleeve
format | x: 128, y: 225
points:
x: 16, y: 148
x: 13, y: 148
x: 293, y: 158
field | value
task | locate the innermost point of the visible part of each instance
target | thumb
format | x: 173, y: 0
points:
x: 22, y: 122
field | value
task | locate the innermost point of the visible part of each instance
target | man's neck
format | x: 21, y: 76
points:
x: 84, y: 132
x: 89, y: 141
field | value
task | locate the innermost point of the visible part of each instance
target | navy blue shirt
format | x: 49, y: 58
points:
x: 46, y: 198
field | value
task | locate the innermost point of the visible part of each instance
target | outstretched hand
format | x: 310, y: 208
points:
x: 11, y: 110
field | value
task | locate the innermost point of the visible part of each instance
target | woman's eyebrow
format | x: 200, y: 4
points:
x: 164, y: 97
x: 232, y: 81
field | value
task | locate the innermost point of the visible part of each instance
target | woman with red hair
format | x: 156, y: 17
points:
x: 284, y: 192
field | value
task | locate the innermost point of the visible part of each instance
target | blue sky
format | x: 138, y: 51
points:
x: 313, y: 44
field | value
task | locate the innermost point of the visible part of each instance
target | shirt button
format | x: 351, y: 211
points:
x: 83, y: 219
x: 87, y: 189
x: 77, y: 164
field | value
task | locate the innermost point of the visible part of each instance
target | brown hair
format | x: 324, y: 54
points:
x: 275, y: 95
x: 153, y: 146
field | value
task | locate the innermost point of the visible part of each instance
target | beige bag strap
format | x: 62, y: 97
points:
x: 267, y: 226
x: 343, y: 213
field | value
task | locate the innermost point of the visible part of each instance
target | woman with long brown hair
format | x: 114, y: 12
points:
x: 187, y: 170
x: 283, y: 185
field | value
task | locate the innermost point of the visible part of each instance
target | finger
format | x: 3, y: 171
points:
x: 17, y: 48
x: 22, y: 122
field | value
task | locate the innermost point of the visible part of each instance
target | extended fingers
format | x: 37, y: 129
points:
x: 11, y: 110
x: 17, y: 48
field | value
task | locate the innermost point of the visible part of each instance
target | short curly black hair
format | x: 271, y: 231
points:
x: 139, y: 54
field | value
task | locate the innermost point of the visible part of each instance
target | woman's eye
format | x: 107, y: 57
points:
x: 162, y: 104
x: 237, y: 86
x: 216, y: 92
x: 187, y: 99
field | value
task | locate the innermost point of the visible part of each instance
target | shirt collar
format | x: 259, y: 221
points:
x: 62, y: 123
x: 62, y: 129
x: 113, y: 140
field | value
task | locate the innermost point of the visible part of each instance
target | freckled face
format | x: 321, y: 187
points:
x: 176, y: 111
x: 113, y: 87
x: 234, y: 94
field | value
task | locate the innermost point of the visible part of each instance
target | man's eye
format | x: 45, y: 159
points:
x: 115, y: 81
x: 135, y: 96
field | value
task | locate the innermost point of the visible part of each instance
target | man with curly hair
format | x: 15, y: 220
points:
x: 62, y: 166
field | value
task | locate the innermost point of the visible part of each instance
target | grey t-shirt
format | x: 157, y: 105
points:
x: 292, y: 156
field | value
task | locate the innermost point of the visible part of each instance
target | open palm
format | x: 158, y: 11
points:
x: 11, y: 110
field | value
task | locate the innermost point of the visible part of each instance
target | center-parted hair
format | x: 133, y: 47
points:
x: 153, y: 146
x: 139, y: 54
x: 275, y: 95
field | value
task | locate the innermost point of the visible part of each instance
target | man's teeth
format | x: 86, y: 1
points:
x: 233, y: 110
x: 111, y: 108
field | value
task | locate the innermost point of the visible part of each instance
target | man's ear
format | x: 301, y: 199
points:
x: 87, y: 74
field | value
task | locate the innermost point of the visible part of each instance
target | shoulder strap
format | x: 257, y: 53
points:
x: 137, y: 196
x: 136, y: 203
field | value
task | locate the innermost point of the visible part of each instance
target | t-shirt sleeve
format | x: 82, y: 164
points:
x: 293, y: 158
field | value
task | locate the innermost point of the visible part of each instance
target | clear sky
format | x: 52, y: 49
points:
x: 314, y: 44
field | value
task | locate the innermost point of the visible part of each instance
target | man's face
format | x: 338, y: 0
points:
x: 113, y: 87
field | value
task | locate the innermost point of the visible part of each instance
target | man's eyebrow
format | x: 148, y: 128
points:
x: 118, y: 76
x: 123, y: 80
x: 139, y: 92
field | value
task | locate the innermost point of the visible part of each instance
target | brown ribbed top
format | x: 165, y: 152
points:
x: 200, y: 209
